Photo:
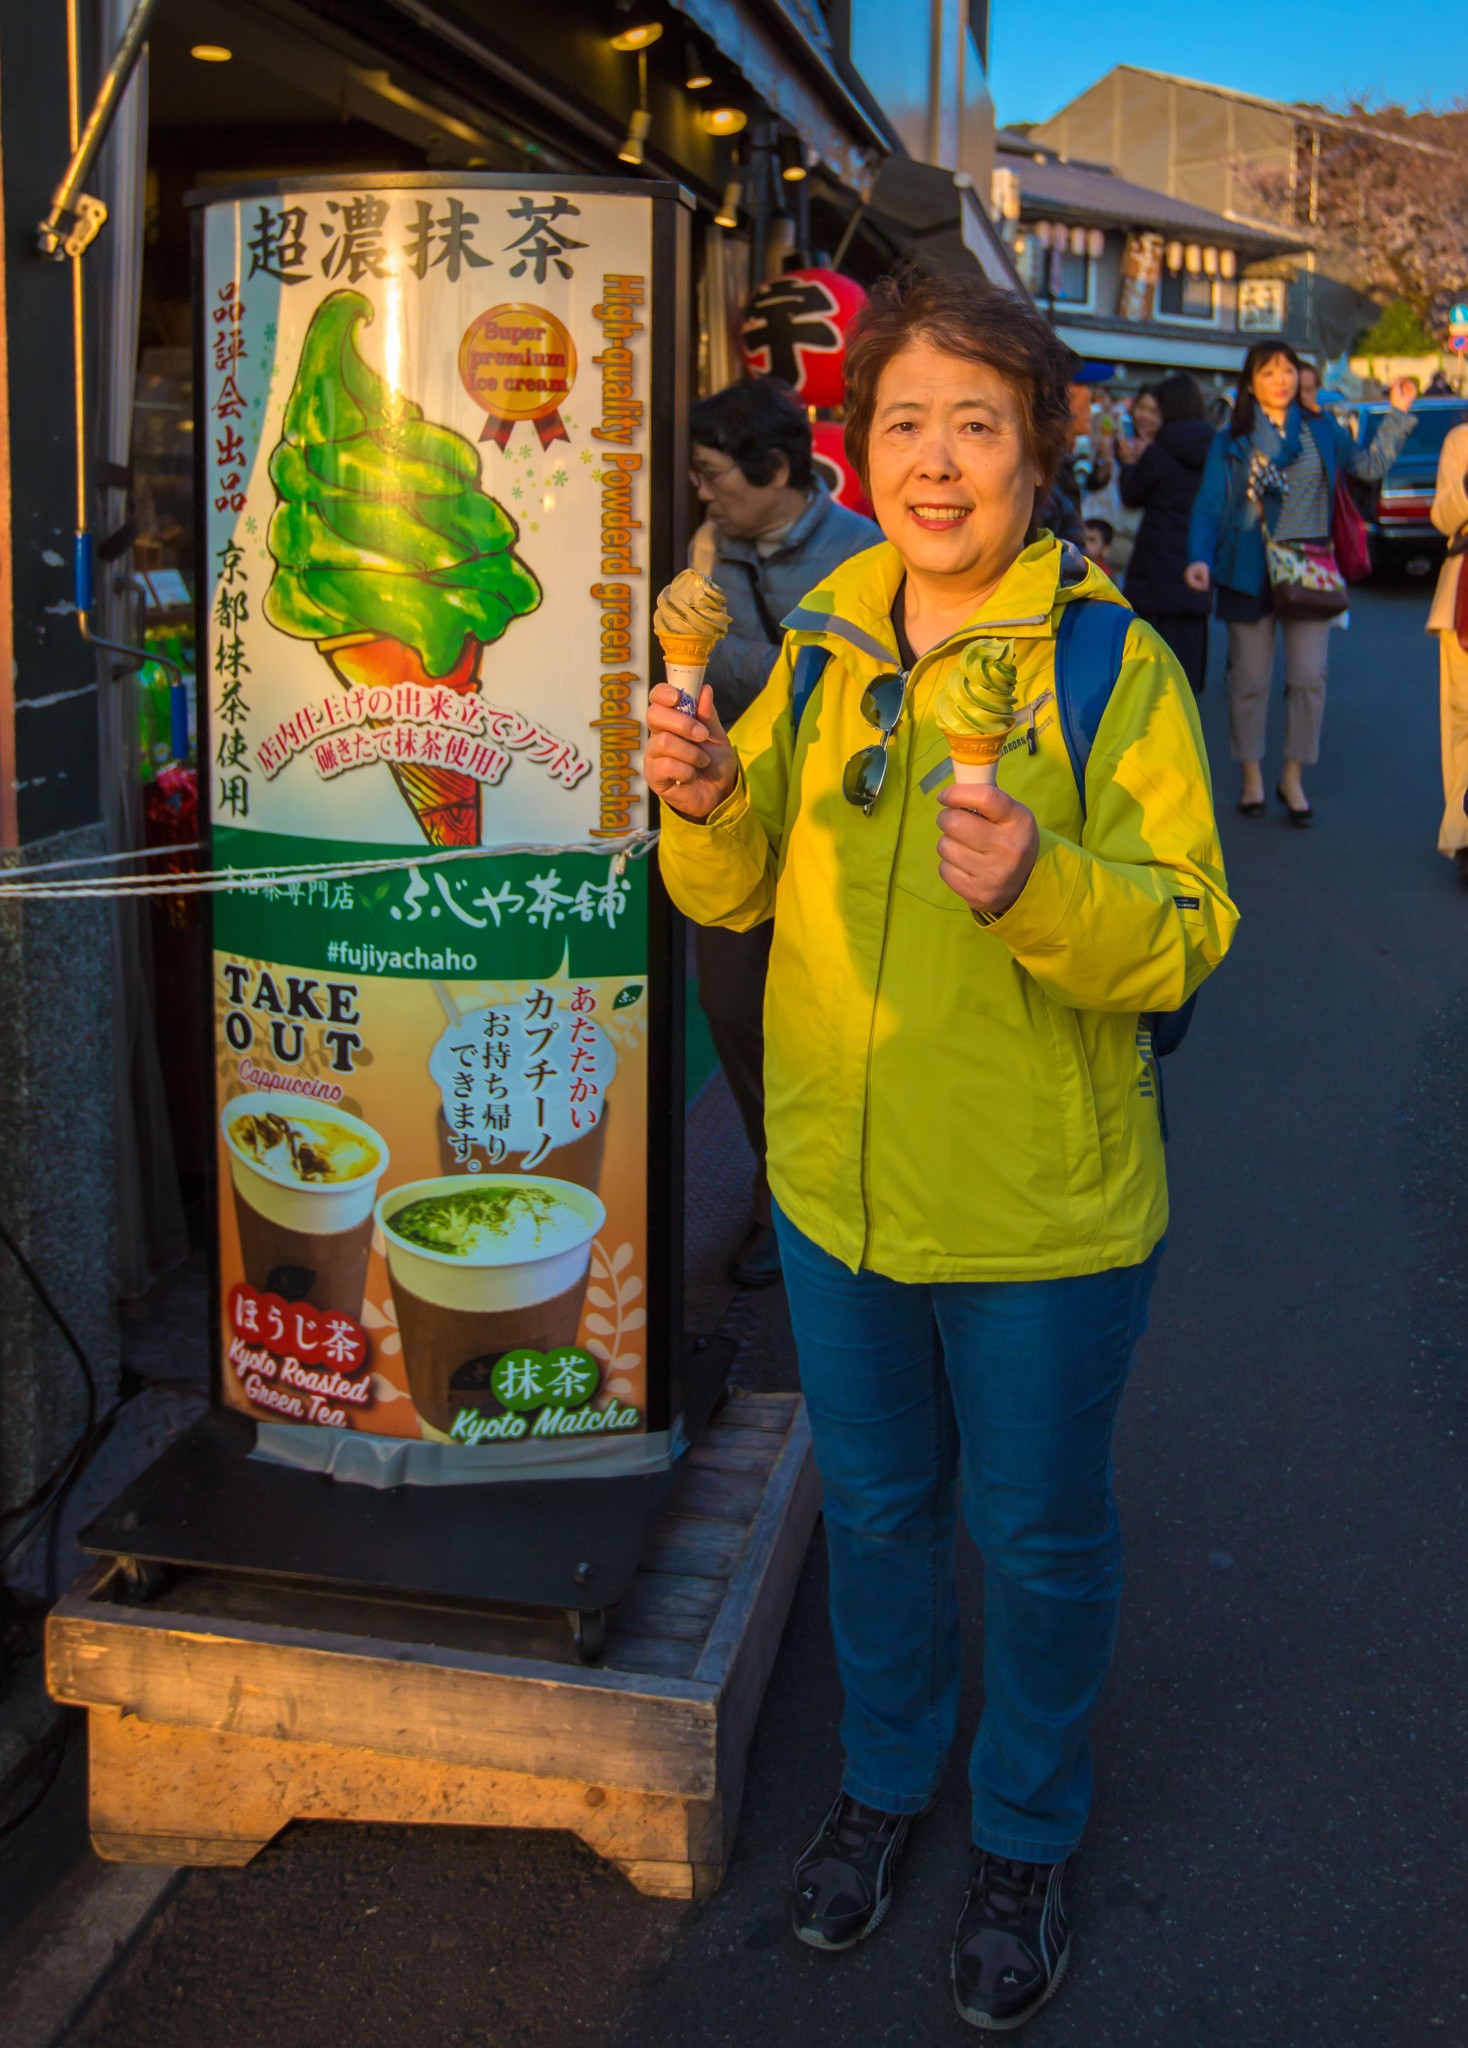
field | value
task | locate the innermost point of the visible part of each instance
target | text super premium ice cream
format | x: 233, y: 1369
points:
x: 389, y: 554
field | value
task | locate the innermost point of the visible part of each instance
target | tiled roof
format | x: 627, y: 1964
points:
x: 1088, y: 192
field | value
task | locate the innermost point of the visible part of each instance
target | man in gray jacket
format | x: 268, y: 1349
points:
x: 772, y: 532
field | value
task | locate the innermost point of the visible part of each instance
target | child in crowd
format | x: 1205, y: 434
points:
x: 1100, y: 533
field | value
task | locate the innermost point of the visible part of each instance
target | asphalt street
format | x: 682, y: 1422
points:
x: 1275, y: 1857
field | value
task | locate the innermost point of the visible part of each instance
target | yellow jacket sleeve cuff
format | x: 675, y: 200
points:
x: 1040, y: 907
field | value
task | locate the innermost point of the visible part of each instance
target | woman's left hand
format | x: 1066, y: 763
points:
x: 1403, y: 393
x: 987, y: 846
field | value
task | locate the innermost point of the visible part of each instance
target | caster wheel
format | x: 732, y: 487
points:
x: 589, y: 1633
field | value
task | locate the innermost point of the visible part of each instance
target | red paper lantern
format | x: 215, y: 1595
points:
x: 795, y: 327
x: 828, y: 454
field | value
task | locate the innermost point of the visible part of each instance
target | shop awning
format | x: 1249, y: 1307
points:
x: 795, y: 77
x: 922, y: 210
x: 1157, y: 349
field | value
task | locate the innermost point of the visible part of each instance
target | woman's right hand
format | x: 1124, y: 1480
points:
x: 689, y: 763
x: 1198, y: 577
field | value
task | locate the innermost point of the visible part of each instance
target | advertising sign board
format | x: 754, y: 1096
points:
x: 445, y: 1074
x: 1261, y: 305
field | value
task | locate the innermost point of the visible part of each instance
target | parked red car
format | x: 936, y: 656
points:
x: 1398, y: 509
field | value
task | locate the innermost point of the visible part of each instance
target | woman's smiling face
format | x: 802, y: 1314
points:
x: 1275, y: 382
x: 952, y: 480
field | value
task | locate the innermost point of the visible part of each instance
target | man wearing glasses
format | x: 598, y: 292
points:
x: 771, y: 532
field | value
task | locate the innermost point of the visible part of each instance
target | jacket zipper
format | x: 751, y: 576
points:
x: 866, y: 1100
x: 907, y: 676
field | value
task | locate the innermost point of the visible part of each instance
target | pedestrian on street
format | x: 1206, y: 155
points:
x: 965, y: 1146
x: 1144, y: 416
x: 773, y: 531
x: 1309, y: 386
x: 1449, y: 620
x: 1271, y: 477
x: 1163, y: 482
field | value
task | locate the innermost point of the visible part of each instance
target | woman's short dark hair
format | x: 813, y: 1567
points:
x: 1180, y: 398
x: 978, y: 322
x: 754, y: 423
x: 1262, y: 352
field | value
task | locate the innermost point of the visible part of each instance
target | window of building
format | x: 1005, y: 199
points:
x: 1182, y: 296
x: 1070, y: 278
x: 978, y: 22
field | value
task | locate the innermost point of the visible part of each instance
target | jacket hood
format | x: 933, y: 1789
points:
x: 1187, y: 442
x: 852, y: 608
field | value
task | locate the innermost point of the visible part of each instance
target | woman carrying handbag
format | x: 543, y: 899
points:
x: 1449, y: 620
x: 1261, y: 531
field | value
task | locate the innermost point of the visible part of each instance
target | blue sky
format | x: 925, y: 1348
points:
x: 1042, y: 56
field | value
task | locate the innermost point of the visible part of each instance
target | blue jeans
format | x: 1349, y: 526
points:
x: 1013, y: 1386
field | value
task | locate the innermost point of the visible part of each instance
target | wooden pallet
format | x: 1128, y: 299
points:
x: 230, y: 1706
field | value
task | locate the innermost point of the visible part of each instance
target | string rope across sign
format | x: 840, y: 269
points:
x: 212, y: 881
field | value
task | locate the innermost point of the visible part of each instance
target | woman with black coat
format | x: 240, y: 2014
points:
x: 1163, y: 479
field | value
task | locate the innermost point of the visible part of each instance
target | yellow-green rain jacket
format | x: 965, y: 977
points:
x: 948, y: 1098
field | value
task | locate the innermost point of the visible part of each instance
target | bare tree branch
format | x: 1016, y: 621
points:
x: 1400, y: 214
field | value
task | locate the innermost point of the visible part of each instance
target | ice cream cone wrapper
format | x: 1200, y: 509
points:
x: 687, y: 648
x: 685, y: 660
x: 976, y: 755
x: 445, y: 802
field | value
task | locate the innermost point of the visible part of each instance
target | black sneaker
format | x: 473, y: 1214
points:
x: 1012, y: 1942
x: 843, y: 1880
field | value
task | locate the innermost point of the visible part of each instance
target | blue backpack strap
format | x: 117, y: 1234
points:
x: 1088, y: 656
x: 1089, y: 647
x: 810, y: 666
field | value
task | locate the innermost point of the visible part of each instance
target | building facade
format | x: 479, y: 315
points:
x: 797, y: 131
x: 1129, y: 275
x: 1253, y: 160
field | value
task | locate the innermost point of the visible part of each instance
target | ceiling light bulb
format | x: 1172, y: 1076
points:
x: 697, y: 74
x: 211, y: 53
x: 722, y: 120
x: 728, y: 213
x: 792, y: 159
x: 637, y: 130
x: 638, y: 36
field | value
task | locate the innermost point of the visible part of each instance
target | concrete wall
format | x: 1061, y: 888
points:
x: 56, y: 1176
x: 1176, y: 138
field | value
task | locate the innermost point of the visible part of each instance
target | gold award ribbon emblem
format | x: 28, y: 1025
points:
x: 517, y: 362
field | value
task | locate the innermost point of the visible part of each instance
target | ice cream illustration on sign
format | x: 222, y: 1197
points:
x: 975, y: 708
x: 389, y: 554
x: 690, y: 620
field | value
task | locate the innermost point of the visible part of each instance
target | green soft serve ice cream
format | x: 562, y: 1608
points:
x: 977, y: 700
x: 382, y: 527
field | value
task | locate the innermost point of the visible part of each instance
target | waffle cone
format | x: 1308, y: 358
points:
x: 687, y: 649
x: 445, y: 802
x: 977, y: 749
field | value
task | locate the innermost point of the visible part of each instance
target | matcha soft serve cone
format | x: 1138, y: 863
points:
x: 389, y: 554
x: 690, y: 619
x: 975, y: 708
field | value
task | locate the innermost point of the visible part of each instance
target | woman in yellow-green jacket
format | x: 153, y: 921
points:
x: 961, y: 1106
